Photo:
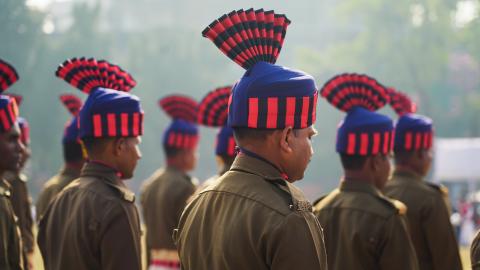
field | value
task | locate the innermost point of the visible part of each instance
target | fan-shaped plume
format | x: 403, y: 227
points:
x: 180, y: 107
x: 89, y: 74
x: 18, y: 98
x: 72, y: 103
x: 213, y: 109
x: 401, y: 103
x: 349, y: 90
x: 250, y: 36
x: 8, y: 75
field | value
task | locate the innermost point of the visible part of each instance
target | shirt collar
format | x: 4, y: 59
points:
x: 178, y: 172
x: 406, y: 175
x: 98, y: 169
x: 359, y: 186
x: 258, y: 166
x: 70, y: 171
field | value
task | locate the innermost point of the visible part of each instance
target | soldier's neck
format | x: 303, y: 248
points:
x: 400, y: 168
x: 176, y: 164
x: 359, y: 176
x: 74, y: 166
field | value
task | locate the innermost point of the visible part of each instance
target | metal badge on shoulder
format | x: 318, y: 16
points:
x: 128, y: 196
x: 303, y: 206
x: 4, y: 192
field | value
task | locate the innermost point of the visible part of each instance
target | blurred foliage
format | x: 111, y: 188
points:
x: 411, y: 45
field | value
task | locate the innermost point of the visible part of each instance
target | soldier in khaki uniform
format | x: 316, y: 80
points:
x: 20, y: 197
x: 72, y: 155
x: 93, y: 222
x: 11, y: 149
x: 166, y: 192
x: 428, y: 215
x: 363, y: 228
x: 475, y: 252
x: 213, y: 112
x: 254, y: 217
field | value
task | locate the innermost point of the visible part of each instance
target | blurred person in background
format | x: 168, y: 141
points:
x: 73, y: 157
x: 93, y: 222
x: 20, y: 197
x: 363, y: 228
x: 12, y: 152
x: 428, y: 205
x: 166, y: 192
x: 213, y: 112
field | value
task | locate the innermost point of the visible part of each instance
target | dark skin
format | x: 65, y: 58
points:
x: 11, y: 149
x: 288, y: 149
x: 184, y: 161
x: 375, y: 171
x: 121, y: 154
x: 418, y: 162
x: 76, y: 166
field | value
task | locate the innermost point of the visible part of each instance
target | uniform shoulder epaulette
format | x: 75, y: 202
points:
x: 23, y: 177
x: 319, y: 199
x: 125, y: 194
x: 443, y: 189
x: 399, y: 206
x: 4, y: 192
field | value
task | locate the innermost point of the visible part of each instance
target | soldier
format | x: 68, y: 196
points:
x: 428, y: 216
x: 166, y: 192
x: 475, y: 252
x: 20, y: 198
x: 11, y: 149
x: 73, y: 157
x: 213, y: 111
x: 253, y: 217
x: 363, y: 228
x: 93, y: 222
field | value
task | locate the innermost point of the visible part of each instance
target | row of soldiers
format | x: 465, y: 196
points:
x: 250, y: 215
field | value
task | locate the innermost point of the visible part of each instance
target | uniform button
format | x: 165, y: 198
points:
x: 291, y: 206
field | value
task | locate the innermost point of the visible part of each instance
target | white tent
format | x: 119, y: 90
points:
x: 457, y: 159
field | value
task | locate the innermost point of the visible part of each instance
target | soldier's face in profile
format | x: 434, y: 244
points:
x: 129, y: 155
x: 10, y: 149
x: 300, y: 143
x: 25, y: 155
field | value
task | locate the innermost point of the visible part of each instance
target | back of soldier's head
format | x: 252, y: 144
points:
x: 364, y: 137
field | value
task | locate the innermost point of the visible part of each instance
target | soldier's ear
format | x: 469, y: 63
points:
x: 119, y: 146
x: 286, y: 137
x: 374, y: 162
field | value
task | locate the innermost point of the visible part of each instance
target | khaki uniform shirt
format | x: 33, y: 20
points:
x: 92, y: 224
x: 52, y: 187
x: 365, y: 230
x: 21, y: 202
x: 251, y: 219
x: 475, y: 252
x: 429, y: 221
x: 11, y: 256
x: 163, y: 199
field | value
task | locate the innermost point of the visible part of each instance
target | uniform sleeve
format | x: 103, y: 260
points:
x: 119, y: 245
x: 42, y: 203
x: 440, y: 237
x: 10, y: 255
x: 398, y: 252
x: 292, y: 246
x: 27, y: 226
x: 181, y: 200
x: 475, y: 252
